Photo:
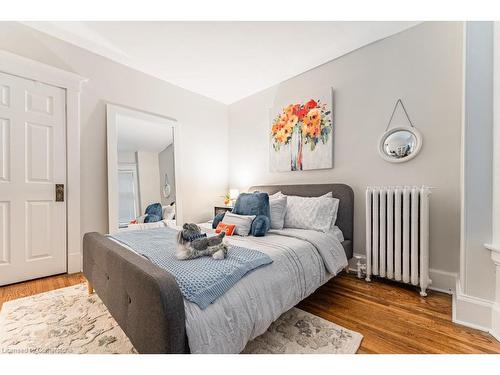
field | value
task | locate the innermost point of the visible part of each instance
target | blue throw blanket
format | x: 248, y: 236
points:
x: 201, y: 280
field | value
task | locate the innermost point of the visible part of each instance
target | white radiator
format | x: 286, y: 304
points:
x: 397, y: 234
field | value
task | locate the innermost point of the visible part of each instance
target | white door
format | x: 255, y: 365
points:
x: 32, y: 161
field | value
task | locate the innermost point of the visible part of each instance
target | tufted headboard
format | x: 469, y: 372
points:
x: 343, y: 192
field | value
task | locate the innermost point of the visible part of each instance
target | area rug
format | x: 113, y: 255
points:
x: 68, y: 320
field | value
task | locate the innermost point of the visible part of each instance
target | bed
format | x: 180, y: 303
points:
x: 146, y: 301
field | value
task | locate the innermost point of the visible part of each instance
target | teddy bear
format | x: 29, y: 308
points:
x: 192, y: 243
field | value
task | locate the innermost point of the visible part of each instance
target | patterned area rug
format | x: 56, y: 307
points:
x: 68, y: 320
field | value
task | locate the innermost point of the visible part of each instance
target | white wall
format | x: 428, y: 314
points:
x: 422, y: 66
x: 148, y: 171
x: 167, y: 165
x: 203, y: 123
x: 127, y: 157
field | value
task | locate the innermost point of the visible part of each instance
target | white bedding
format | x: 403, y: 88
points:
x: 303, y: 260
x: 156, y: 224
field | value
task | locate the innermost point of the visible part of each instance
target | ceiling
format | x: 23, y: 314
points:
x: 138, y: 134
x: 225, y: 61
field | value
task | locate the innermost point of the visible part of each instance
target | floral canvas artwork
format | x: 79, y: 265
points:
x: 301, y: 137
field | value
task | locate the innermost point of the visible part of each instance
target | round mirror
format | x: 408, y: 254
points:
x: 400, y: 144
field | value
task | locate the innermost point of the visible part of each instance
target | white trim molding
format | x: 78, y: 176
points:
x: 26, y: 68
x: 470, y: 311
x: 442, y: 281
x: 495, y: 309
x: 34, y: 70
x: 112, y: 110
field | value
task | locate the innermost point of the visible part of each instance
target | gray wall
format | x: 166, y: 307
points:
x: 115, y: 83
x: 423, y: 66
x: 167, y: 165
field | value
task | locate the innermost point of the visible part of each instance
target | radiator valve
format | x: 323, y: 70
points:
x: 360, y: 265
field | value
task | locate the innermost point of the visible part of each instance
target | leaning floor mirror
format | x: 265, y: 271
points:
x: 141, y: 169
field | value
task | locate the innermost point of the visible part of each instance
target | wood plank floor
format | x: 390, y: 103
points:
x: 392, y: 318
x: 46, y: 284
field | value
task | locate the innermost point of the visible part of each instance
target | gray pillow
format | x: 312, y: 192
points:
x: 277, y: 207
x: 243, y: 223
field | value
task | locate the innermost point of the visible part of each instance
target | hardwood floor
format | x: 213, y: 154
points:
x: 392, y: 318
x: 28, y: 288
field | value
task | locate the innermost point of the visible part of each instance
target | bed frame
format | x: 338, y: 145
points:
x: 145, y: 300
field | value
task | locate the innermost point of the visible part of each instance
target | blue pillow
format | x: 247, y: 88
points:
x: 217, y: 219
x: 152, y: 218
x: 153, y: 212
x: 255, y: 204
x: 260, y: 226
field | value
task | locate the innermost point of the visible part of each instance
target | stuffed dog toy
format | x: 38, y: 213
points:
x: 191, y: 243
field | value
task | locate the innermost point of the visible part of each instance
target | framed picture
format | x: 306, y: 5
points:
x: 301, y: 135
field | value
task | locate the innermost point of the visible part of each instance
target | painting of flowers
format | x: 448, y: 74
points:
x: 301, y: 137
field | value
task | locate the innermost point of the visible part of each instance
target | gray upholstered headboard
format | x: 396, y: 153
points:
x: 345, y: 216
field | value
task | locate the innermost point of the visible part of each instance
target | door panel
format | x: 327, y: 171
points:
x: 38, y: 230
x: 40, y: 152
x: 5, y: 95
x: 4, y: 149
x: 4, y: 233
x: 39, y: 103
x: 33, y: 160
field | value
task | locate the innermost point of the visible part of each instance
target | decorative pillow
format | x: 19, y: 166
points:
x: 309, y: 213
x: 154, y: 209
x: 226, y: 228
x: 243, y: 223
x: 254, y: 204
x: 153, y: 213
x: 277, y: 208
x: 168, y: 212
x: 152, y: 218
x: 279, y: 194
x: 260, y: 226
x: 217, y: 219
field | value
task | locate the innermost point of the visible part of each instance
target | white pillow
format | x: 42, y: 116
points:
x: 168, y: 212
x: 277, y: 209
x: 309, y: 213
x: 243, y: 223
x: 279, y: 194
x: 336, y: 203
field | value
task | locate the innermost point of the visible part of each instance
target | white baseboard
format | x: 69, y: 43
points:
x: 442, y: 281
x: 495, y: 321
x: 75, y: 262
x: 471, y: 311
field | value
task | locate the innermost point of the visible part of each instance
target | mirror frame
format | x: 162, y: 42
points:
x: 112, y: 157
x: 413, y: 130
